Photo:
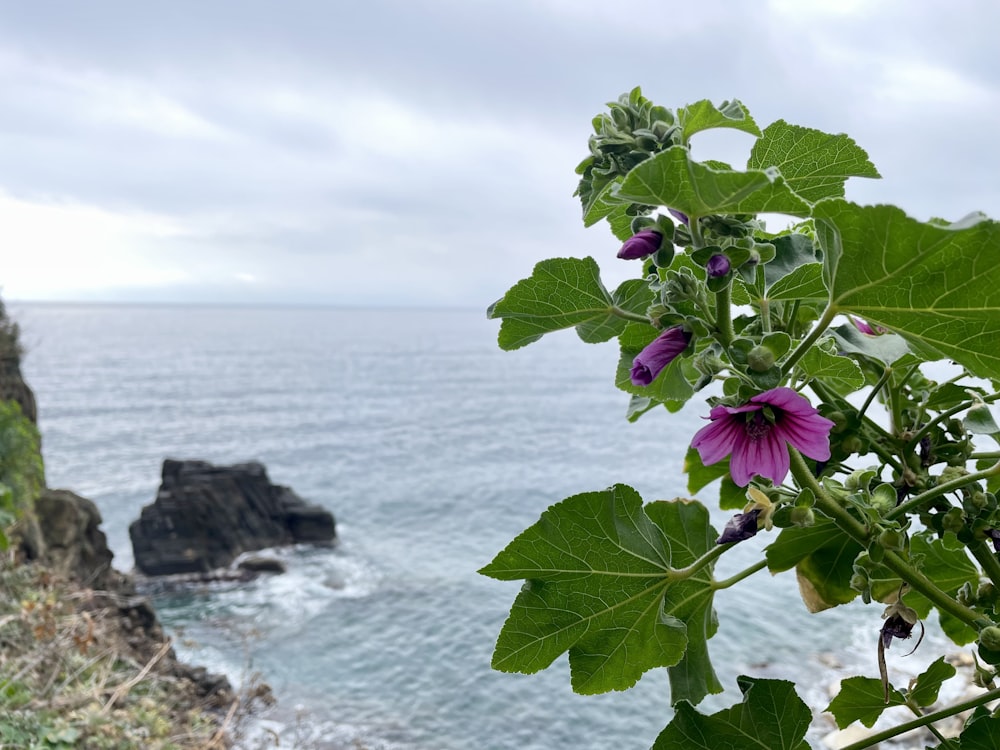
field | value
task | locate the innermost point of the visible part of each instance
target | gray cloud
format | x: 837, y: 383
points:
x: 422, y: 152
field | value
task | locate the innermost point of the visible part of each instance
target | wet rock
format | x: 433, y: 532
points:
x: 205, y: 516
x: 262, y: 564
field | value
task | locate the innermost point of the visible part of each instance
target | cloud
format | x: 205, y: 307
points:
x: 423, y: 153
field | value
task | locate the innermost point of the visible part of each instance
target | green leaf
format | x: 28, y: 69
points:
x: 823, y: 557
x: 690, y: 535
x: 598, y: 584
x: 770, y: 717
x: 602, y: 204
x: 981, y: 734
x: 862, y: 699
x: 979, y: 421
x: 924, y: 691
x: 946, y: 563
x: 560, y: 293
x: 887, y: 348
x: 699, y: 475
x: 672, y: 178
x: 805, y: 283
x: 704, y: 115
x: 790, y: 252
x: 842, y: 373
x: 815, y: 164
x: 938, y: 287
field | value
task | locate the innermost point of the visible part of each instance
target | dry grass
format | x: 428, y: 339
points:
x: 72, y: 676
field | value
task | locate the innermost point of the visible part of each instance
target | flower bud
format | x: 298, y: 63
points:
x: 989, y: 638
x: 640, y: 245
x: 760, y: 359
x: 803, y: 516
x: 953, y: 520
x: 717, y: 266
x: 884, y: 498
x: 892, y: 539
x: 658, y: 354
x: 681, y: 217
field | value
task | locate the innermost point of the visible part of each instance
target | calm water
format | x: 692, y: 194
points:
x: 433, y: 449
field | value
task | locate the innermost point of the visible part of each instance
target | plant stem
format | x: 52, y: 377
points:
x: 765, y: 315
x: 709, y: 557
x: 886, y: 374
x: 985, y: 557
x: 860, y: 533
x: 723, y: 315
x: 694, y: 228
x: 821, y: 325
x: 924, y: 720
x: 949, y: 413
x: 942, y: 489
x: 745, y: 573
x: 628, y: 315
x: 946, y: 744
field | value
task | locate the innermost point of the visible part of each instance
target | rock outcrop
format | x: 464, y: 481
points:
x: 204, y: 516
x: 73, y: 544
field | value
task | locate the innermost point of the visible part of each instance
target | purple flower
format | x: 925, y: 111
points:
x: 718, y: 265
x: 641, y: 244
x: 682, y: 218
x: 741, y: 526
x: 895, y: 627
x: 660, y: 352
x: 866, y: 328
x: 756, y: 435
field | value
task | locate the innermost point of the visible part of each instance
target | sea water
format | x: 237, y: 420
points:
x: 433, y: 449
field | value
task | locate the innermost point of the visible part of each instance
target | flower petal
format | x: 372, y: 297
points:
x: 716, y: 441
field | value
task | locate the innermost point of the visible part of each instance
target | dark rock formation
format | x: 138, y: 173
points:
x: 205, y: 516
x: 72, y: 541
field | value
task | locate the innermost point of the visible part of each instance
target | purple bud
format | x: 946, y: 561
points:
x: 658, y: 354
x: 741, y: 526
x: 682, y: 218
x: 641, y: 244
x: 718, y: 265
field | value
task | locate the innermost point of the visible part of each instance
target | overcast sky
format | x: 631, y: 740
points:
x: 412, y: 152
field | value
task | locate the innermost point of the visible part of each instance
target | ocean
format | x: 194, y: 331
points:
x: 433, y: 449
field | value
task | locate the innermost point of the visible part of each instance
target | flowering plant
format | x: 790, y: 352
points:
x: 830, y: 426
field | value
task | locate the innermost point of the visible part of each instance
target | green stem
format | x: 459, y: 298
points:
x: 924, y: 720
x: 860, y: 533
x: 694, y: 228
x: 723, y: 315
x: 942, y: 489
x: 745, y: 573
x: 987, y: 454
x: 708, y: 558
x: 872, y: 430
x: 628, y: 315
x: 945, y: 415
x: 821, y: 325
x: 886, y: 374
x: 945, y: 742
x: 790, y: 324
x: 985, y: 557
x: 765, y: 315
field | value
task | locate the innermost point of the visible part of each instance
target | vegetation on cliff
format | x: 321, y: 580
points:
x: 84, y: 662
